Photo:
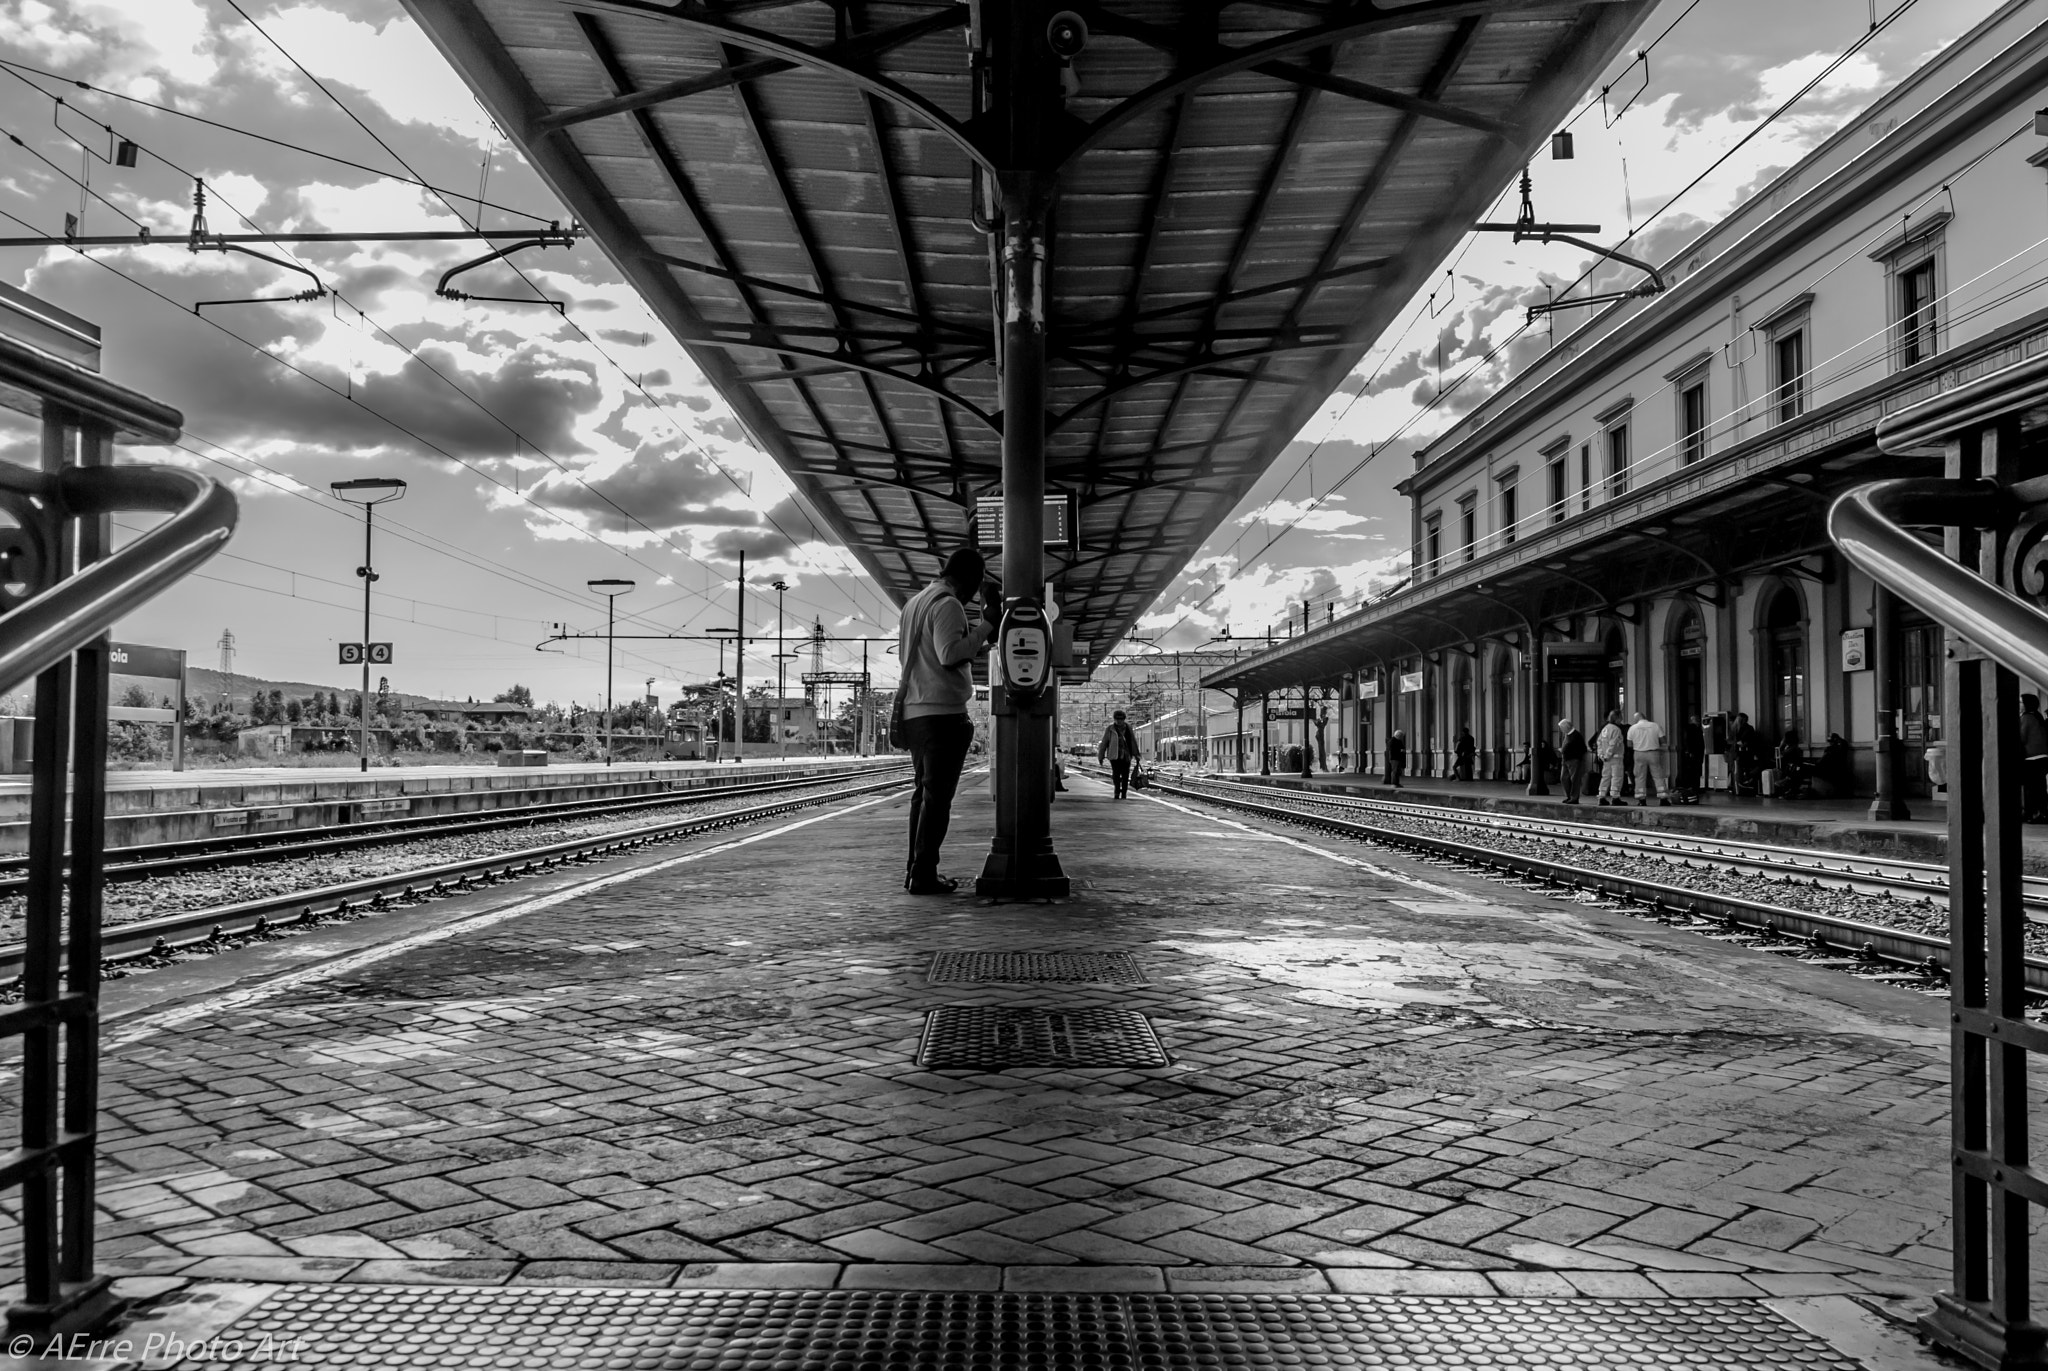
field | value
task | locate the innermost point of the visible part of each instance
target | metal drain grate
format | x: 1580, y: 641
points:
x: 992, y: 1037
x: 600, y: 1329
x: 1075, y: 968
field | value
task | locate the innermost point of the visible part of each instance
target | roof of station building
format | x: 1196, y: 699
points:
x: 1251, y: 189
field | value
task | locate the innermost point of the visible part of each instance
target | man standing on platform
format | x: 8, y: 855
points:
x: 1607, y: 747
x: 2033, y: 761
x: 937, y: 646
x: 1572, y: 760
x: 1646, y: 738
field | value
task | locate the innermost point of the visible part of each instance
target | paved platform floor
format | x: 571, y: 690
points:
x: 697, y: 1069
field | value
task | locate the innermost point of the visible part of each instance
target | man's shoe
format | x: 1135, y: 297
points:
x: 934, y: 885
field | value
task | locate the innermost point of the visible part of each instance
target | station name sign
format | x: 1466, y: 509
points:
x: 1411, y: 682
x: 157, y: 663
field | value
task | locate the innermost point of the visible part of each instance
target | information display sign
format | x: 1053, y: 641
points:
x: 988, y: 520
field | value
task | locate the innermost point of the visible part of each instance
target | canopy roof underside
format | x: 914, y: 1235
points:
x: 1251, y: 188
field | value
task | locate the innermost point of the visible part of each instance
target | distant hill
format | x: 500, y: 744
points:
x: 204, y: 684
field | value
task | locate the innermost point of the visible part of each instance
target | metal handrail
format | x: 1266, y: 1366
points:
x: 70, y: 614
x: 1870, y: 525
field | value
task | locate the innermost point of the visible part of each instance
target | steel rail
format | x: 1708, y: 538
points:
x: 155, y: 937
x: 1822, y: 932
x: 145, y: 860
x: 1923, y: 881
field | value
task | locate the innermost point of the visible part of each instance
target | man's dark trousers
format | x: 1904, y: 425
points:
x: 1120, y: 772
x: 938, y: 749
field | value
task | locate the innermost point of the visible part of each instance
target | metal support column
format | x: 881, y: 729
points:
x: 1027, y: 107
x: 1539, y: 721
x: 1265, y: 739
x: 1885, y: 657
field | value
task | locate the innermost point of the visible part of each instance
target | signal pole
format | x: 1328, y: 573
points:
x: 369, y: 492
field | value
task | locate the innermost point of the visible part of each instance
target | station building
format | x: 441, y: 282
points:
x: 1648, y: 500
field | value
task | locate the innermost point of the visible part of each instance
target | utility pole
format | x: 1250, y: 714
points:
x: 739, y: 647
x: 782, y: 656
x: 611, y: 588
x: 226, y: 644
x: 369, y: 492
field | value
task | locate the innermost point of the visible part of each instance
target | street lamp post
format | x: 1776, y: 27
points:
x: 722, y: 634
x: 611, y: 588
x: 782, y: 654
x: 369, y: 492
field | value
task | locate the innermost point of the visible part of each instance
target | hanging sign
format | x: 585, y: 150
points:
x: 1411, y: 681
x: 988, y: 520
x: 1855, y: 649
x: 1575, y: 663
x: 1369, y: 689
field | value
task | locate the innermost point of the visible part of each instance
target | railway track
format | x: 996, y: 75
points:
x: 1827, y: 939
x: 1925, y: 882
x: 200, y: 854
x: 224, y: 924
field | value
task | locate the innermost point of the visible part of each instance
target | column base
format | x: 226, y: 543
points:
x: 1973, y: 1332
x: 1029, y: 876
x: 81, y: 1307
x: 1889, y: 809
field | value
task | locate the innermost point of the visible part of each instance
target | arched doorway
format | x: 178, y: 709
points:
x: 1614, y: 693
x: 1686, y: 646
x: 1782, y: 638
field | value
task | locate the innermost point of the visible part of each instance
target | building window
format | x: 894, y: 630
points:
x: 1915, y: 299
x: 1788, y: 355
x: 1433, y: 545
x: 1585, y: 476
x: 1510, y: 511
x: 1468, y: 527
x: 1788, y: 375
x: 1692, y: 419
x: 1557, y: 492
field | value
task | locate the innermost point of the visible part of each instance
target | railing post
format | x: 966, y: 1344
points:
x: 1986, y: 1315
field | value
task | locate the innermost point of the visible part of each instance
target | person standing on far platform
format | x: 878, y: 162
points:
x: 1397, y: 757
x: 1465, y: 750
x: 1607, y: 746
x: 937, y: 646
x: 1646, y: 737
x: 1119, y: 747
x: 1572, y: 760
x: 2034, y: 761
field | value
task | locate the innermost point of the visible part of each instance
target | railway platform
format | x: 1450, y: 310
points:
x: 1247, y: 1098
x: 145, y: 807
x: 1825, y: 825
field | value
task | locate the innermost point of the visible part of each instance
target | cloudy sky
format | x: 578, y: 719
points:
x: 546, y: 449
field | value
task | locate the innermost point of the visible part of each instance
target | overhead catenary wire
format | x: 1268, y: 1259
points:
x: 707, y: 596
x: 589, y: 341
x: 1428, y: 406
x: 15, y: 69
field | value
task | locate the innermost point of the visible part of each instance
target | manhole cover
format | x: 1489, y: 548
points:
x: 995, y: 1036
x: 611, y: 1329
x: 1078, y: 968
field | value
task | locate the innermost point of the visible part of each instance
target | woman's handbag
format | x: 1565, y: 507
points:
x: 899, y: 736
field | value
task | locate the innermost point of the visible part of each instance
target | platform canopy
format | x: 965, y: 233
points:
x: 1246, y: 192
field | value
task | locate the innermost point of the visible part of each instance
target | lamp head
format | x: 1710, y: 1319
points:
x: 368, y: 490
x: 610, y: 585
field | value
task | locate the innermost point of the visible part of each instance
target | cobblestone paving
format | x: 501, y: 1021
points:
x: 1386, y: 1078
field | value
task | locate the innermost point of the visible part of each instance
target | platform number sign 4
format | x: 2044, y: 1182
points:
x: 352, y: 654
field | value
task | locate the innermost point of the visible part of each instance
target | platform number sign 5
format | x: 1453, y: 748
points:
x: 352, y: 654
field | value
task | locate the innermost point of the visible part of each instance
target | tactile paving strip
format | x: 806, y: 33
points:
x: 839, y: 1330
x: 994, y: 1037
x: 1078, y: 968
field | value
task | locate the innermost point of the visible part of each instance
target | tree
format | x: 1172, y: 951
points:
x: 293, y: 712
x: 134, y: 697
x: 517, y: 695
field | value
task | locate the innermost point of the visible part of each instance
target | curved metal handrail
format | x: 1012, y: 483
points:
x: 1870, y: 526
x: 70, y: 614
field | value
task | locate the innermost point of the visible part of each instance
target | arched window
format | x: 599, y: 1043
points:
x: 1784, y: 643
